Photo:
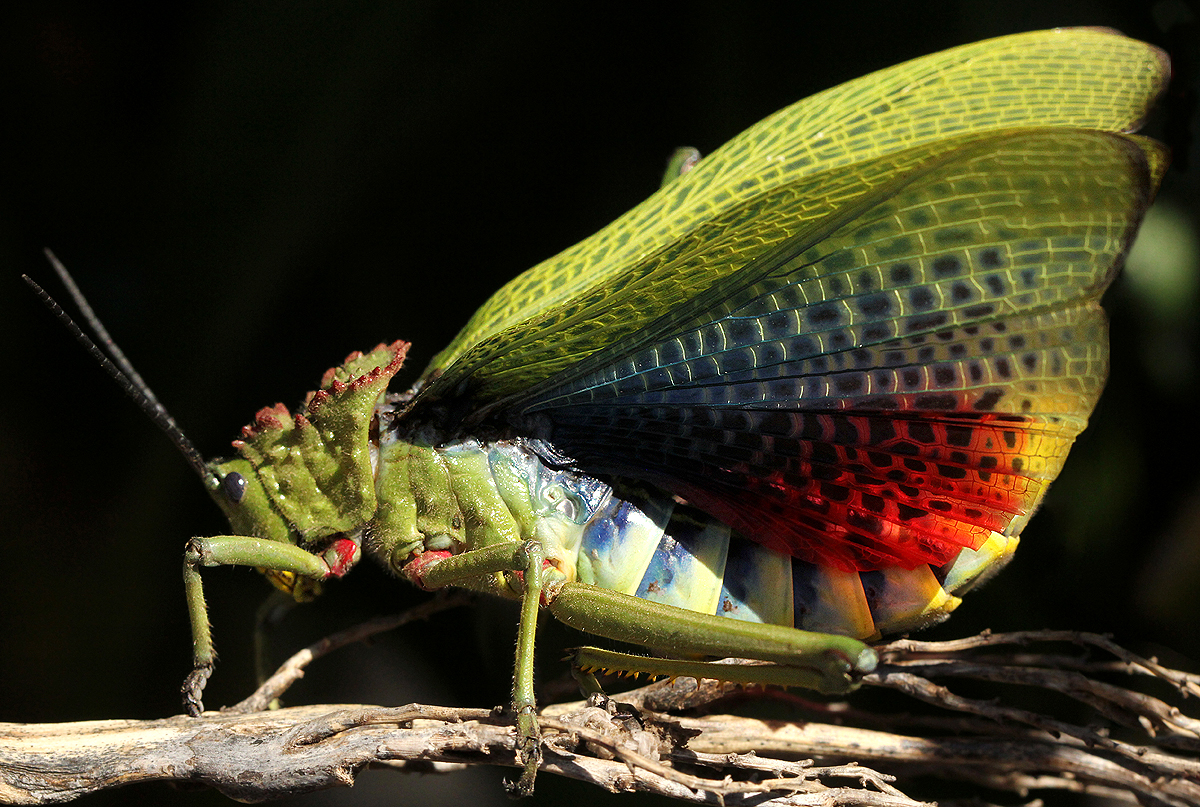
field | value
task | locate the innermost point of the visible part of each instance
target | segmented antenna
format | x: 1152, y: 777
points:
x: 117, y: 366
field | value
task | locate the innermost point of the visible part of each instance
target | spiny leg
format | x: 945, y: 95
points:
x: 528, y: 558
x: 819, y: 661
x: 229, y: 550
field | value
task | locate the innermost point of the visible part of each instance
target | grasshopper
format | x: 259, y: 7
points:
x: 807, y: 394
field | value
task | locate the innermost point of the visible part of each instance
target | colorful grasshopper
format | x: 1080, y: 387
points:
x: 808, y: 393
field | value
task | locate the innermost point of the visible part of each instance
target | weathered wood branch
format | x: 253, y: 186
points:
x: 1133, y: 746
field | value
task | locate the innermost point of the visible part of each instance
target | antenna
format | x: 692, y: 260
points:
x: 117, y: 366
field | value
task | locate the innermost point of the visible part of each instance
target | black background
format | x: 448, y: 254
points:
x: 249, y: 191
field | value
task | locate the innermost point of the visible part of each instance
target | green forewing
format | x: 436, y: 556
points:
x: 1086, y: 78
x: 866, y: 331
x: 1002, y: 228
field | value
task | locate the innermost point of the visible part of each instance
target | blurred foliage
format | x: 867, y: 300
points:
x: 249, y: 191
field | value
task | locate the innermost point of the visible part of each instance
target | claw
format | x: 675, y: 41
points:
x: 193, y: 688
x: 529, y: 751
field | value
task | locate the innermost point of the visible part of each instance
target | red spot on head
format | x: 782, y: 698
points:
x: 399, y: 350
x: 317, y: 400
x: 269, y: 418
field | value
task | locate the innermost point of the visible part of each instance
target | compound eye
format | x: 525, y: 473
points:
x: 234, y: 485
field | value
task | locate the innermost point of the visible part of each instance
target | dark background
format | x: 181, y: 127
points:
x: 249, y: 191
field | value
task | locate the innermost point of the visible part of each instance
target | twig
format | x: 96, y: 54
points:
x: 1188, y: 683
x: 1005, y: 745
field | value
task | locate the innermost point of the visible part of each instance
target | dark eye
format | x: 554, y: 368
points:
x: 234, y: 485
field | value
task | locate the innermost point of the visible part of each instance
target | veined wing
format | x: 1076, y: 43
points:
x: 898, y: 381
x: 1085, y: 78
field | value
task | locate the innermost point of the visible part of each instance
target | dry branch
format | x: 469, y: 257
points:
x: 1131, y: 745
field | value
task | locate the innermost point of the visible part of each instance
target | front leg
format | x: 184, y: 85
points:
x: 229, y: 550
